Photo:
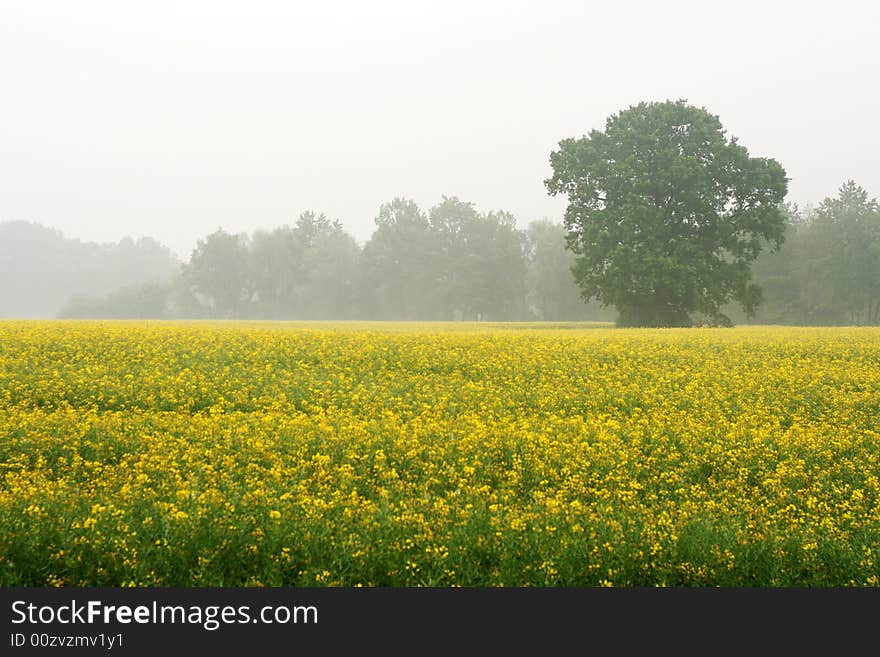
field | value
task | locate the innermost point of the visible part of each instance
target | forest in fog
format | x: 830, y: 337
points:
x: 448, y: 262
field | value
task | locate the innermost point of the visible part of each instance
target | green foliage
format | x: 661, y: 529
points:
x: 828, y: 270
x: 330, y: 264
x: 276, y: 268
x: 666, y: 214
x: 845, y: 250
x: 145, y: 301
x: 480, y: 262
x: 451, y: 263
x: 398, y: 264
x: 553, y: 294
x: 218, y: 273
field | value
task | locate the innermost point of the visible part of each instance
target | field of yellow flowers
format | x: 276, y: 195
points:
x: 306, y: 454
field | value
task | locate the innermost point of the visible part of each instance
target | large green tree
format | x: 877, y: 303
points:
x: 666, y: 214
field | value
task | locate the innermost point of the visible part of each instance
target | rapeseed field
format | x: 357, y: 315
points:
x: 305, y: 454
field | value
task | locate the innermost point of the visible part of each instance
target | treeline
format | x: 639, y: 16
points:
x: 41, y: 269
x: 827, y: 271
x: 449, y: 263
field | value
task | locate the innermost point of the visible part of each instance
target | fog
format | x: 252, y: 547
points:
x: 175, y: 119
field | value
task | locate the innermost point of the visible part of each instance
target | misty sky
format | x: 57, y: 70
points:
x: 173, y: 118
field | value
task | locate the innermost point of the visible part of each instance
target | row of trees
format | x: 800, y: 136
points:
x: 449, y: 263
x: 828, y: 268
x: 453, y: 262
x: 41, y: 269
x: 669, y: 221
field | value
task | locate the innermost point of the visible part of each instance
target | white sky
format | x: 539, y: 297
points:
x: 173, y: 118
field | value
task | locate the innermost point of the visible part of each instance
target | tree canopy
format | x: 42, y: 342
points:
x: 828, y: 270
x: 666, y: 213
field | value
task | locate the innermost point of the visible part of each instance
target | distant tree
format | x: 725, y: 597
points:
x: 141, y: 260
x: 843, y: 258
x: 183, y: 302
x: 451, y: 222
x: 553, y: 294
x: 330, y: 265
x: 277, y: 272
x: 666, y: 214
x: 479, y: 262
x: 310, y: 226
x: 780, y: 273
x: 41, y: 269
x: 495, y: 268
x: 144, y: 301
x: 398, y: 264
x: 218, y: 273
